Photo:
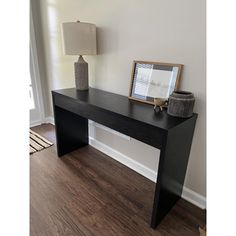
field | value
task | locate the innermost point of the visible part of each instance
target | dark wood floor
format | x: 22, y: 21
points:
x: 88, y: 193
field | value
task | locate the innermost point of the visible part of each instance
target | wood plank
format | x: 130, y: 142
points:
x: 89, y: 193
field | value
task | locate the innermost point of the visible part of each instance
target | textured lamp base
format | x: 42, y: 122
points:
x: 81, y: 74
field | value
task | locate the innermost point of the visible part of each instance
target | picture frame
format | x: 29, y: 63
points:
x: 151, y: 80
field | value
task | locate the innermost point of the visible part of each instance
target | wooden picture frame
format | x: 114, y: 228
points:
x: 151, y: 80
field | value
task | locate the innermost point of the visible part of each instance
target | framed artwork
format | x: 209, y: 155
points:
x: 154, y: 80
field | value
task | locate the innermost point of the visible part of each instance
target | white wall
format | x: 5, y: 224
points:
x: 153, y: 30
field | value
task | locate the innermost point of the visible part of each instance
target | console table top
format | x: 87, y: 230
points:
x: 122, y: 105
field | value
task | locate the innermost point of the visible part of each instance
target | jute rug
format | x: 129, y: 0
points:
x: 37, y: 142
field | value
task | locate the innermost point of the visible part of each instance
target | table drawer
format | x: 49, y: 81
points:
x: 141, y: 131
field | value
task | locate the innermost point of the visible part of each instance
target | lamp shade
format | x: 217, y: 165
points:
x: 79, y: 38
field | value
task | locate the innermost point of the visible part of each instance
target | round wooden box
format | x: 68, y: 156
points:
x: 181, y: 104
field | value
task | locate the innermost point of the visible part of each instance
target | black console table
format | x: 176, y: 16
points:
x: 173, y: 136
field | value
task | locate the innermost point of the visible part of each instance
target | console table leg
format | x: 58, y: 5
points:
x: 172, y: 169
x: 71, y: 131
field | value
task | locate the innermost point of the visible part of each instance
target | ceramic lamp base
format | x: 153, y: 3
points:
x: 81, y: 74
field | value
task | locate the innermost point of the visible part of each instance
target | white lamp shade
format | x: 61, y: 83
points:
x: 79, y: 38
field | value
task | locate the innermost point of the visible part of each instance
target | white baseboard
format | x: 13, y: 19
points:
x: 187, y: 194
x: 35, y: 123
x: 49, y: 120
x: 193, y: 197
x: 46, y: 120
x: 134, y: 165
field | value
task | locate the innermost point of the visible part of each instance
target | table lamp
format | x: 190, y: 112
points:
x: 79, y: 38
